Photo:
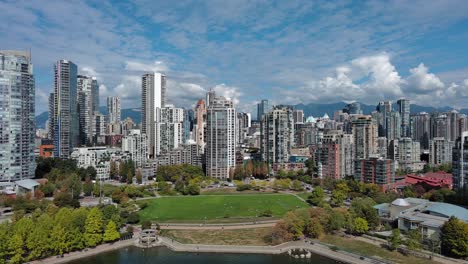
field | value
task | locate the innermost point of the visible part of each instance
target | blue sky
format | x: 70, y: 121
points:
x: 286, y: 51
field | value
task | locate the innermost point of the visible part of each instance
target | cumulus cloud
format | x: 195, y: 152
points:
x: 156, y: 66
x: 383, y: 77
x: 230, y: 92
x: 421, y: 81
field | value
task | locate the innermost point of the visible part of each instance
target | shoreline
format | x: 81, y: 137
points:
x: 175, y: 246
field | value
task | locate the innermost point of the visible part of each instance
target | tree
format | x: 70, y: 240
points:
x: 360, y: 226
x: 88, y: 188
x: 193, y: 189
x: 93, y: 228
x: 16, y: 250
x: 338, y: 197
x: 296, y: 185
x: 63, y: 199
x: 414, y: 239
x: 316, y: 197
x: 114, y: 170
x: 454, y: 238
x: 394, y: 239
x: 139, y: 177
x: 314, y: 229
x: 111, y: 234
x: 364, y: 208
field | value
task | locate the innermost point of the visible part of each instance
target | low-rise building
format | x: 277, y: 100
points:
x: 421, y: 214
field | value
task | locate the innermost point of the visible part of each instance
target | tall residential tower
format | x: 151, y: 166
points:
x: 65, y: 119
x: 17, y: 119
x: 153, y: 98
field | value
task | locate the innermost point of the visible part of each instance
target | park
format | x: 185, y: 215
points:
x: 219, y: 208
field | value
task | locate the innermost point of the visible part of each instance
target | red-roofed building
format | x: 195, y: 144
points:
x: 430, y: 180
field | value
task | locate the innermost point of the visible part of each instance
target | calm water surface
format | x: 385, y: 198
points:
x: 162, y: 255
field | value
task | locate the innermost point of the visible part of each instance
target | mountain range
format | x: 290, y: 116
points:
x: 312, y: 109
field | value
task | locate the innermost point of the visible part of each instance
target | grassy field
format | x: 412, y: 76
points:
x: 248, y: 237
x: 218, y: 208
x: 366, y: 249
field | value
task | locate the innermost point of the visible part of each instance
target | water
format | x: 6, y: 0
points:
x: 162, y: 255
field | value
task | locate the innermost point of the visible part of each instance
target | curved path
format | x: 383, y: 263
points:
x: 227, y: 226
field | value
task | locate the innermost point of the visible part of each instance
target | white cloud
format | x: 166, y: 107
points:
x: 156, y: 66
x: 230, y: 92
x: 421, y: 81
x: 383, y: 77
x: 89, y: 71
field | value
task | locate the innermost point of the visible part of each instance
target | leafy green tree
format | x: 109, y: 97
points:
x: 296, y: 185
x: 16, y: 249
x: 58, y: 236
x: 47, y: 189
x: 394, y: 239
x: 93, y: 228
x: 338, y: 197
x: 5, y: 236
x: 360, y: 226
x: 39, y: 241
x: 414, y: 239
x: 193, y: 189
x: 111, y: 234
x: 316, y: 197
x: 363, y: 207
x: 454, y: 238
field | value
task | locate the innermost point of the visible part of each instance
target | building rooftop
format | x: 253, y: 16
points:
x: 27, y: 184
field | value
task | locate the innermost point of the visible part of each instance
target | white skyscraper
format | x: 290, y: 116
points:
x: 113, y: 109
x: 16, y: 116
x: 88, y: 90
x: 136, y: 144
x: 153, y: 98
x: 220, y: 137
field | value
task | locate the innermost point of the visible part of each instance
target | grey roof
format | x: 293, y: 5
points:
x: 448, y: 210
x: 27, y: 184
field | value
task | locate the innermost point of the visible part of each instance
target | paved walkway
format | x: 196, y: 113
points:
x: 89, y: 252
x: 278, y: 249
x: 226, y: 226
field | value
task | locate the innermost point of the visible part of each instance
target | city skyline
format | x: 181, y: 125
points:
x: 411, y: 52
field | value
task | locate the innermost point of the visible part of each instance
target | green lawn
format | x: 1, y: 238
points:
x: 217, y: 208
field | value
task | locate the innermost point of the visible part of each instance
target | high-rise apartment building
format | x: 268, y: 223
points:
x: 393, y: 125
x: 199, y: 127
x: 277, y: 134
x: 421, y: 128
x: 353, y: 109
x: 440, y: 151
x: 17, y: 119
x: 262, y: 108
x: 220, y: 137
x: 404, y: 110
x: 335, y: 155
x: 136, y: 145
x: 65, y: 119
x: 113, y: 109
x: 298, y: 116
x: 460, y: 163
x: 364, y: 132
x: 153, y: 98
x: 169, y: 129
x: 378, y: 171
x: 88, y: 89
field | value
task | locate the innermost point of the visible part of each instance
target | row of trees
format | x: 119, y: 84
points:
x: 55, y: 232
x: 250, y: 169
x: 314, y: 223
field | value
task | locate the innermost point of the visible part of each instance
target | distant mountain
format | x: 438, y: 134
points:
x: 133, y: 113
x: 318, y: 110
x: 312, y: 109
